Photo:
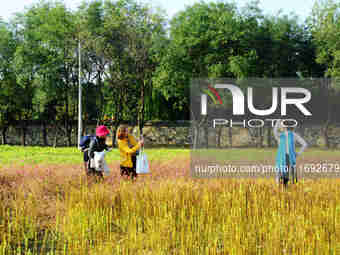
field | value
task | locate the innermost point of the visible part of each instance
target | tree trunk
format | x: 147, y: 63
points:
x: 69, y: 134
x: 101, y: 96
x: 253, y: 137
x: 3, y: 137
x: 197, y: 126
x: 55, y: 135
x: 206, y: 132
x: 114, y: 128
x: 219, y: 134
x: 325, y: 134
x: 84, y: 128
x: 67, y: 126
x: 113, y: 137
x: 44, y: 131
x: 23, y: 135
x: 329, y: 117
x: 262, y: 134
x: 195, y: 136
x: 141, y: 111
x: 269, y: 136
x: 230, y: 133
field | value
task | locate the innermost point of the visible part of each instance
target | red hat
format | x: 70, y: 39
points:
x: 102, y: 131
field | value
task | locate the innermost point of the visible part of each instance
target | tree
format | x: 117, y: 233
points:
x: 16, y: 94
x: 146, y: 28
x: 325, y: 28
x: 119, y: 41
x: 47, y: 58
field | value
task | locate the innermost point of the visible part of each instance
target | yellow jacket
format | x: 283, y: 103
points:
x: 126, y: 152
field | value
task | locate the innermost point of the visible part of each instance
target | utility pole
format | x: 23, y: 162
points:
x: 79, y: 97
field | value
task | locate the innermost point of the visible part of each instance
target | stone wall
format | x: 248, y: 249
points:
x: 183, y: 136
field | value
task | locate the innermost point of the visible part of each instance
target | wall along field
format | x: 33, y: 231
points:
x: 48, y: 207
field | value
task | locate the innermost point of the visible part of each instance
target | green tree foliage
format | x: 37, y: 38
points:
x: 137, y: 66
x: 11, y: 93
x: 325, y: 27
x: 212, y: 40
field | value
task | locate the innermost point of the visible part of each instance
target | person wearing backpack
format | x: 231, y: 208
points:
x: 93, y: 144
x: 128, y: 147
x: 286, y: 154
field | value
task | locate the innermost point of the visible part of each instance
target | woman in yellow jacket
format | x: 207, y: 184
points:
x: 128, y: 147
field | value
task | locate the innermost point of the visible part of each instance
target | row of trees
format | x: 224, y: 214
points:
x: 137, y: 65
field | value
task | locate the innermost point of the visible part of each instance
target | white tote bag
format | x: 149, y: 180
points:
x: 142, y: 164
x: 99, y: 163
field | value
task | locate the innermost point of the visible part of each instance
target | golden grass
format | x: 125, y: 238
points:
x: 53, y: 209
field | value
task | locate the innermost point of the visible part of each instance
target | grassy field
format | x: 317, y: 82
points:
x: 47, y: 206
x: 19, y: 155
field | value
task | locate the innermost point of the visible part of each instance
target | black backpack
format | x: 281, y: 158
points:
x: 85, y: 141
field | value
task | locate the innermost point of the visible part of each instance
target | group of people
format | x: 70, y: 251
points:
x: 128, y: 148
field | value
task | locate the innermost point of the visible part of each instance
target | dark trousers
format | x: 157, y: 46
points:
x: 290, y: 172
x: 293, y: 174
x: 130, y: 171
x: 285, y: 175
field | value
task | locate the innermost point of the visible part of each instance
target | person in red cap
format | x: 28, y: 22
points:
x: 98, y: 144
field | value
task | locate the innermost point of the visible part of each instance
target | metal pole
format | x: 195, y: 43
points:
x: 79, y: 98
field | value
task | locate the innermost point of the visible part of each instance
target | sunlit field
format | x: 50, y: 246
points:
x: 49, y: 207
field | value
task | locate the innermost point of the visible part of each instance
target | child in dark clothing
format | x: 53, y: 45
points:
x: 97, y: 144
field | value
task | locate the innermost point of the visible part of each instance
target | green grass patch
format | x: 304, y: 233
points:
x: 71, y: 155
x: 258, y: 154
